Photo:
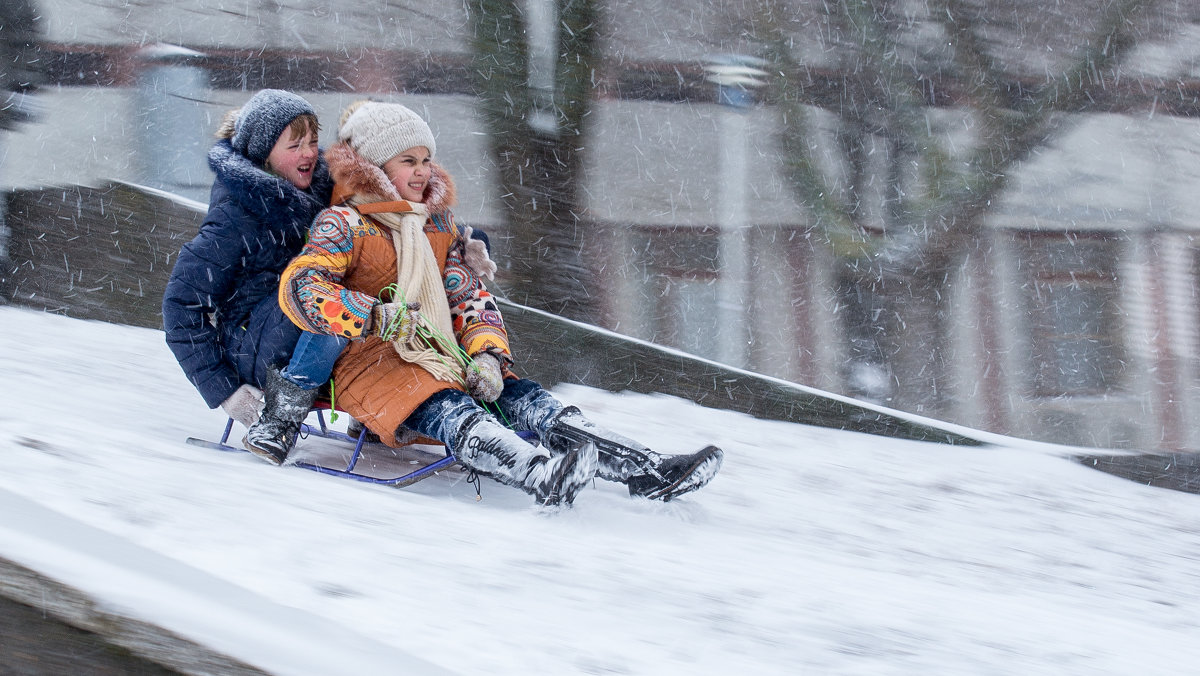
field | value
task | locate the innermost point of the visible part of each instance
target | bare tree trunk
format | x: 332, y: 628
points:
x: 536, y: 137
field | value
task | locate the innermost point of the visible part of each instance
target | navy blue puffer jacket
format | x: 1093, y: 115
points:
x: 221, y: 311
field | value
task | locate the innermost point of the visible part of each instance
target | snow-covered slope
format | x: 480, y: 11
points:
x: 814, y: 551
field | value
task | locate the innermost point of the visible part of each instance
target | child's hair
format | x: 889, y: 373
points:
x: 304, y: 124
x: 298, y: 127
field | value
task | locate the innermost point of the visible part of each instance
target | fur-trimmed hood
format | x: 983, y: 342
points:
x: 354, y: 175
x: 265, y: 195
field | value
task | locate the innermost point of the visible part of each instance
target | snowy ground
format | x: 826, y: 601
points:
x: 814, y: 551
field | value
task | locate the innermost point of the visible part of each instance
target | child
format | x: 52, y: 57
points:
x: 220, y: 308
x: 388, y: 268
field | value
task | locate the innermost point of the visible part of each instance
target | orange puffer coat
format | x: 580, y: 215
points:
x: 349, y: 259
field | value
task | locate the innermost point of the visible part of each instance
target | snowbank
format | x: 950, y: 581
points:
x: 815, y: 551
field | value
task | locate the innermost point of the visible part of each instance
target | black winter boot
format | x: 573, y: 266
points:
x: 287, y: 405
x: 491, y: 449
x: 647, y: 474
x: 675, y: 475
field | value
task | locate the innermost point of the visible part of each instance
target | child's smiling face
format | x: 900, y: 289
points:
x: 409, y: 172
x: 294, y: 158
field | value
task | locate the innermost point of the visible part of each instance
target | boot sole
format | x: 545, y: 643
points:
x: 696, y: 477
x: 263, y: 453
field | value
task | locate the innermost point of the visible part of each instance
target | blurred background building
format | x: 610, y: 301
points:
x: 983, y: 214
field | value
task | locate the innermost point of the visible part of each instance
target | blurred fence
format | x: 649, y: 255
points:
x: 95, y: 253
x: 105, y: 253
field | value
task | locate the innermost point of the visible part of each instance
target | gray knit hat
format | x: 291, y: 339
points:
x: 381, y: 131
x: 262, y: 119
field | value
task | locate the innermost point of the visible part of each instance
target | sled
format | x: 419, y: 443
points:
x: 424, y: 459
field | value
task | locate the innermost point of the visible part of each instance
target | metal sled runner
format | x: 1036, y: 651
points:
x: 427, y: 463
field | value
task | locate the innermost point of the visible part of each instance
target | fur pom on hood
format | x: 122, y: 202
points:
x: 355, y: 175
x: 228, y: 125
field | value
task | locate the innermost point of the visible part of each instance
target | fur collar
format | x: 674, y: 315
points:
x: 356, y: 176
x: 265, y: 195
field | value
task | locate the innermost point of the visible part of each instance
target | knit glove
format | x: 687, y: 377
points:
x: 485, y: 378
x: 243, y: 405
x: 395, y: 321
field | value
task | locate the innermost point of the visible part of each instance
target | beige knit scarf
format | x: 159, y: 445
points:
x: 418, y: 280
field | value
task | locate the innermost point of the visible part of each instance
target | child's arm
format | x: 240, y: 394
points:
x: 206, y: 271
x: 310, y: 290
x: 478, y: 325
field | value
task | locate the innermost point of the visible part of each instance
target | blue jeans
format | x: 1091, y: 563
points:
x: 313, y: 359
x: 523, y: 406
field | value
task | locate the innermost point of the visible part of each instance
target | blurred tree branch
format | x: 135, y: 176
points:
x: 898, y: 253
x: 884, y: 98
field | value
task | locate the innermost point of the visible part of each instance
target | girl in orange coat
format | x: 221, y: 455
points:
x: 388, y: 267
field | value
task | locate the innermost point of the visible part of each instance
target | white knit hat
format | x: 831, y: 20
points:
x: 381, y: 131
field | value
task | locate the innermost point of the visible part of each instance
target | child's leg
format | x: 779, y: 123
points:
x: 527, y: 406
x: 485, y: 446
x: 443, y: 416
x: 313, y: 359
x: 290, y: 394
